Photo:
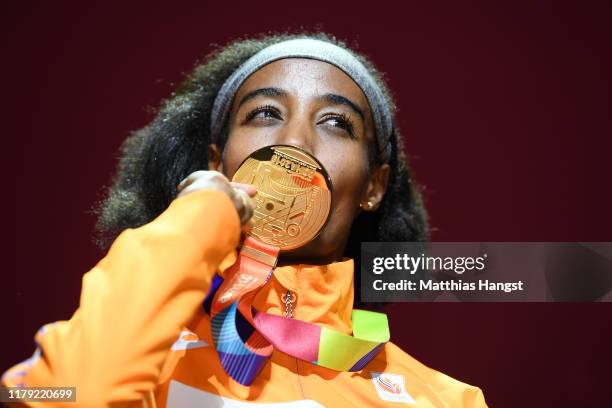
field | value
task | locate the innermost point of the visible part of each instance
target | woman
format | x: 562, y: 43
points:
x: 141, y: 336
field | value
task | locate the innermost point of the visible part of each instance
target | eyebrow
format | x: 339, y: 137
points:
x: 335, y: 99
x: 272, y: 92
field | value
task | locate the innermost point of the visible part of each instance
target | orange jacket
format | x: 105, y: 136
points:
x: 141, y: 339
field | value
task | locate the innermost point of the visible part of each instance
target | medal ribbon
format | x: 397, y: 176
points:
x: 244, y: 338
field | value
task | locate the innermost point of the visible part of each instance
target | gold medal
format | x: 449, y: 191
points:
x: 293, y: 197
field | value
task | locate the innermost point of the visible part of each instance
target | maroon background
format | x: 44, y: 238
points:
x: 506, y: 110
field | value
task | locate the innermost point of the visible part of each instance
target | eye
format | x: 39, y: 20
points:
x: 265, y: 113
x: 339, y: 120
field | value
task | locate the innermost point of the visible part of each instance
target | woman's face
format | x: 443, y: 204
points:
x: 317, y: 107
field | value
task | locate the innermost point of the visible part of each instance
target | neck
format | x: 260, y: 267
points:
x: 316, y: 252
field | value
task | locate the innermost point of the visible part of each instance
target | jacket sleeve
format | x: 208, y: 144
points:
x: 133, y: 305
x: 475, y: 399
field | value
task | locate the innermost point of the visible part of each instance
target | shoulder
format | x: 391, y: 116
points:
x: 426, y: 383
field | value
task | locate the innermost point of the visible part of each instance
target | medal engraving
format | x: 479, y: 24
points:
x: 293, y: 195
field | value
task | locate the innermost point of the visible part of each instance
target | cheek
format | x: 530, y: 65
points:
x: 236, y: 150
x: 349, y: 174
x: 231, y: 160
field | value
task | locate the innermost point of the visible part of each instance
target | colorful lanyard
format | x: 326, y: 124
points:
x: 244, y: 338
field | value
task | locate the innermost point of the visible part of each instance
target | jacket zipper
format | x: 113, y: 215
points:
x: 289, y: 299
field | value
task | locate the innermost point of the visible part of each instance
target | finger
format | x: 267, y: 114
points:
x: 181, y: 185
x: 186, y: 181
x: 202, y: 176
x: 248, y: 188
x: 247, y: 226
x: 186, y: 190
x: 245, y: 207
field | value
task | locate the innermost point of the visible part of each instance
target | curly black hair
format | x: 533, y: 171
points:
x: 154, y: 159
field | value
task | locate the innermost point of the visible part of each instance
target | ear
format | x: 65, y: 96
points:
x: 214, y: 158
x: 377, y: 186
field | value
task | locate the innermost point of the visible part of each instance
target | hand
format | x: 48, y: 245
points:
x: 237, y: 192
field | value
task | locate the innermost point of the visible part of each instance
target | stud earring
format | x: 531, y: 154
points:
x: 366, y: 206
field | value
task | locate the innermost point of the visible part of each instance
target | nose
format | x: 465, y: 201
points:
x: 298, y: 132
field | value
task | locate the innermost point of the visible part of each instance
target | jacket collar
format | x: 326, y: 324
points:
x: 324, y: 294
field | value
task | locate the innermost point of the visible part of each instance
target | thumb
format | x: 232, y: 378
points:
x: 247, y: 188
